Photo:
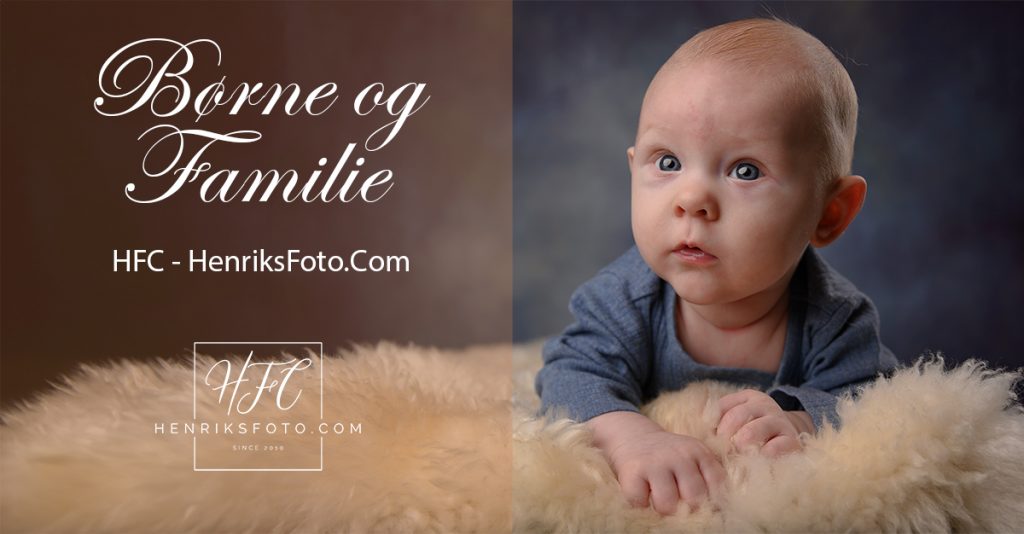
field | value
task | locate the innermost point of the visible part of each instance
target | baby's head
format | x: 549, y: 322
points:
x: 742, y: 158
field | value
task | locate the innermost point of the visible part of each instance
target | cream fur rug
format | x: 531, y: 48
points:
x: 449, y: 444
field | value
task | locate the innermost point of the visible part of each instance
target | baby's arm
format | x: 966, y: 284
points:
x: 845, y: 352
x: 654, y: 466
x: 596, y: 370
x: 601, y: 362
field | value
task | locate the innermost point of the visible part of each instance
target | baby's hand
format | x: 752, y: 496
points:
x: 654, y: 466
x: 751, y: 418
x: 663, y: 468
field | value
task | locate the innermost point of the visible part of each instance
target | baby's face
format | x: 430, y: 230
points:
x: 724, y: 196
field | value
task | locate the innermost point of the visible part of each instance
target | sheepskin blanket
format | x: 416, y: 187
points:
x: 450, y: 443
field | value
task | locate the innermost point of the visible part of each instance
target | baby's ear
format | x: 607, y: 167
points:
x: 842, y: 206
x: 629, y: 154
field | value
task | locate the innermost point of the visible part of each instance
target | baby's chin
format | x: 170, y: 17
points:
x: 702, y: 288
x: 698, y: 296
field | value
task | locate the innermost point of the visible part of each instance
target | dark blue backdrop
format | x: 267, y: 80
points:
x: 939, y: 245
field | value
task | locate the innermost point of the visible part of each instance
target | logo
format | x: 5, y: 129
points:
x: 258, y: 406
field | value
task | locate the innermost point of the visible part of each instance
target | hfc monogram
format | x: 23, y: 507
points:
x: 244, y: 401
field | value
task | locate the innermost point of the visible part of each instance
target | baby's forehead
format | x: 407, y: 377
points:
x: 789, y: 81
x: 714, y: 94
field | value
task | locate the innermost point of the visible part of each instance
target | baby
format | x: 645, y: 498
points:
x: 741, y: 164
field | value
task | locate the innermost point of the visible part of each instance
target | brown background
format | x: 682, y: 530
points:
x: 64, y: 168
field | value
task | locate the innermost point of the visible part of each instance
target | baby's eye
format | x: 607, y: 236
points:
x: 669, y: 163
x: 746, y: 171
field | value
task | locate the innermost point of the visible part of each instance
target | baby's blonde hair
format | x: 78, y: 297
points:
x: 817, y: 77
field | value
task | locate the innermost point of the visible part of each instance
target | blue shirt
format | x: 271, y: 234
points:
x: 623, y: 350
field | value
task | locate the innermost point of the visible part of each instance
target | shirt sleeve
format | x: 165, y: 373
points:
x: 845, y: 352
x: 599, y: 363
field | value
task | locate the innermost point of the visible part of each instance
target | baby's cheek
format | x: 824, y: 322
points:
x: 763, y: 238
x: 769, y: 252
x: 641, y: 226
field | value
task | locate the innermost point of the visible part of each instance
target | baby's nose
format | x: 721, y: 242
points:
x: 702, y: 212
x: 697, y: 200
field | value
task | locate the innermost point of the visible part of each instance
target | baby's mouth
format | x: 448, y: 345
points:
x: 693, y: 252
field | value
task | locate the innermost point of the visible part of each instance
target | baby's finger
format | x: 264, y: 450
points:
x: 780, y: 445
x: 738, y: 417
x: 714, y: 475
x: 664, y: 493
x: 636, y: 490
x: 691, y: 484
x: 757, y: 432
x: 732, y: 400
